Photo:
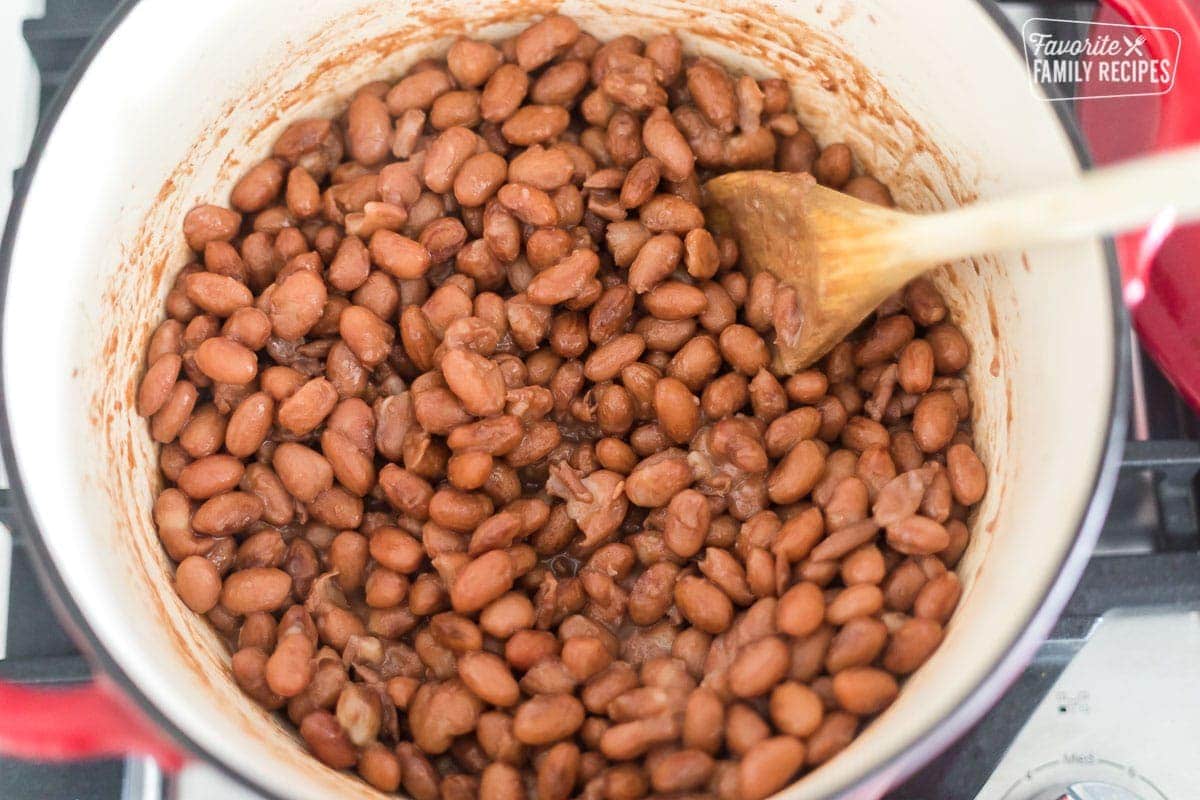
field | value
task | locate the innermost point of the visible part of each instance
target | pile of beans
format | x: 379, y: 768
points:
x: 475, y: 453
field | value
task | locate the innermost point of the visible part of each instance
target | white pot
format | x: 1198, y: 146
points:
x: 932, y: 97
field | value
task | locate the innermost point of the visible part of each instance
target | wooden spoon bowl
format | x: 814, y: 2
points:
x: 837, y: 257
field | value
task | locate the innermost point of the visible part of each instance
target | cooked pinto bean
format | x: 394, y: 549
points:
x: 544, y: 40
x: 968, y: 478
x: 227, y: 514
x: 198, y: 583
x: 209, y: 476
x: 703, y: 604
x: 935, y: 419
x: 476, y: 381
x: 256, y: 589
x: 768, y: 766
x: 547, y: 718
x: 307, y: 407
x: 504, y: 92
x: 758, y: 667
x: 864, y: 690
x: 226, y: 361
x: 209, y: 223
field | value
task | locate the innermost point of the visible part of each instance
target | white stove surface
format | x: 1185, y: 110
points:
x: 1122, y: 721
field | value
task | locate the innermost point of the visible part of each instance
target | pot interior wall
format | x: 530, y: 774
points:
x: 933, y: 101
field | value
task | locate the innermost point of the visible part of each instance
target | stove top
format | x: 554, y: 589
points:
x: 1107, y: 710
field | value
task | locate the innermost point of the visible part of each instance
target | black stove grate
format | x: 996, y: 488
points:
x: 1148, y: 555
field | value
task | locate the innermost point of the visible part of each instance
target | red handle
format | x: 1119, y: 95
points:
x: 90, y: 721
x: 1158, y: 264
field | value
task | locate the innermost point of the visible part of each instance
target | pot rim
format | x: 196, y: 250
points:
x: 920, y: 751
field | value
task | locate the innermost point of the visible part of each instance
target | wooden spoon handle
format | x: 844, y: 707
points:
x: 1102, y: 201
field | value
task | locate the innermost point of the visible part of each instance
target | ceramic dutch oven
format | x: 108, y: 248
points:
x: 174, y: 99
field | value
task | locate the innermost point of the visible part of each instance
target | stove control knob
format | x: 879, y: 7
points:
x: 1096, y: 790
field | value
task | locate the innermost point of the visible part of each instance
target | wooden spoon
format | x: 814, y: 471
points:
x: 843, y: 256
